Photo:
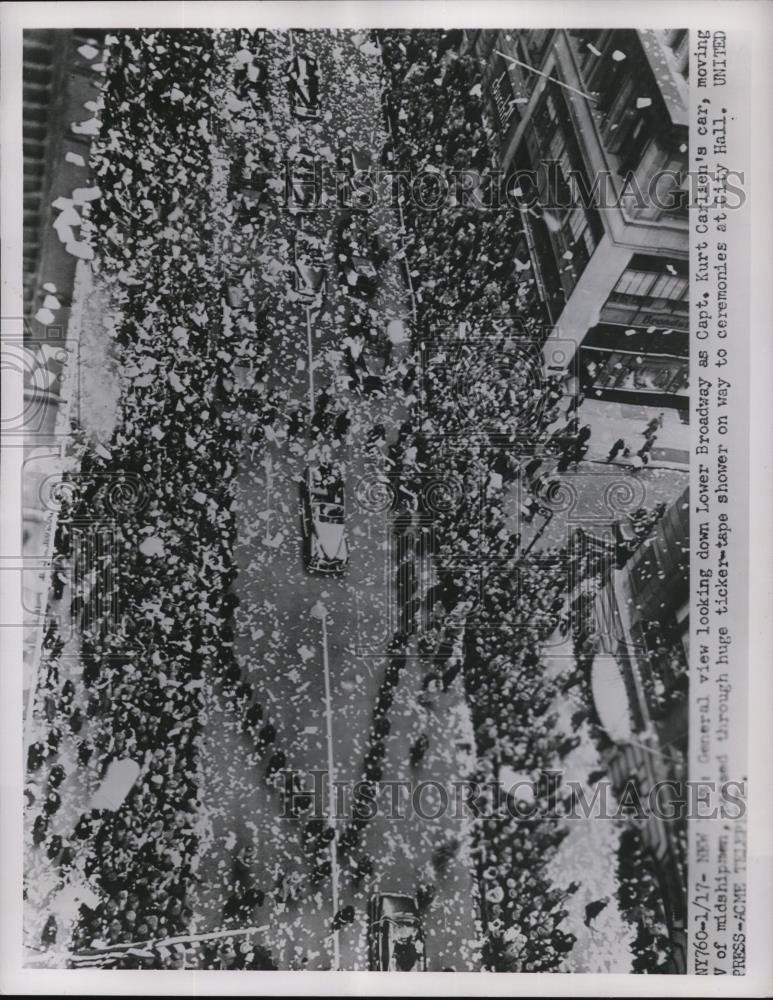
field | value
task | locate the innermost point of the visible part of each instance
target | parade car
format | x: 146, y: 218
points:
x: 247, y: 186
x: 355, y: 258
x: 323, y: 519
x: 303, y: 183
x: 355, y: 166
x: 308, y: 267
x: 395, y: 939
x: 303, y: 84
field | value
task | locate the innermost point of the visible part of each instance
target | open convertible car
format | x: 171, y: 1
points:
x: 323, y: 519
x: 303, y: 83
x: 395, y: 939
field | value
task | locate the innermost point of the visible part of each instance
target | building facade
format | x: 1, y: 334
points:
x: 593, y: 135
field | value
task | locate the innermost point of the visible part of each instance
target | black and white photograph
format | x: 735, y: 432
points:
x: 383, y: 560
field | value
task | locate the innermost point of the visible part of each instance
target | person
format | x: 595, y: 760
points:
x: 52, y: 803
x: 593, y: 909
x: 276, y: 762
x: 387, y: 350
x: 419, y: 748
x: 253, y: 716
x: 39, y: 829
x: 647, y: 446
x: 575, y: 403
x: 615, y: 450
x: 425, y: 894
x: 49, y: 932
x: 451, y: 672
x: 241, y: 867
x: 363, y: 867
x: 56, y: 775
x: 341, y: 425
x: 343, y: 917
x: 266, y: 736
x: 295, y: 424
x: 322, y: 400
x: 405, y: 955
x: 76, y: 720
x: 579, y: 452
x: 320, y: 420
x: 59, y: 576
x: 232, y: 906
x: 375, y: 439
x: 325, y: 837
x: 653, y: 425
x: 321, y: 872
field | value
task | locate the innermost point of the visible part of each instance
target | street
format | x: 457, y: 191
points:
x: 279, y: 641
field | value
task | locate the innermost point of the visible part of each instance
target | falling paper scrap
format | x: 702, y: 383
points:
x: 82, y: 195
x: 80, y: 249
x: 44, y: 316
x: 152, y: 546
x: 89, y: 127
x: 88, y: 52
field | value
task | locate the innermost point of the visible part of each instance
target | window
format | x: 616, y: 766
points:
x: 652, y: 285
x: 670, y: 287
x: 635, y: 282
x: 620, y: 111
x: 673, y: 187
x: 591, y: 63
x: 577, y: 223
x: 623, y: 371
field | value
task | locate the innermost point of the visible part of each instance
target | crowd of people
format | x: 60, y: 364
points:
x: 485, y: 401
x: 153, y: 607
x: 185, y: 325
x: 490, y: 417
x: 461, y: 257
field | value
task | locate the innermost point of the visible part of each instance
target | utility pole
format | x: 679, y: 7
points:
x: 268, y: 465
x: 319, y: 611
x: 310, y: 362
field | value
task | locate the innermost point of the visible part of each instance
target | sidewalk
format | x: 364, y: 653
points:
x: 611, y: 421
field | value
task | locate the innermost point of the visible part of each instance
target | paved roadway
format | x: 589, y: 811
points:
x: 279, y: 642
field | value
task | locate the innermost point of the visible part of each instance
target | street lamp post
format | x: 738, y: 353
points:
x: 310, y: 361
x: 268, y: 465
x: 319, y: 611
